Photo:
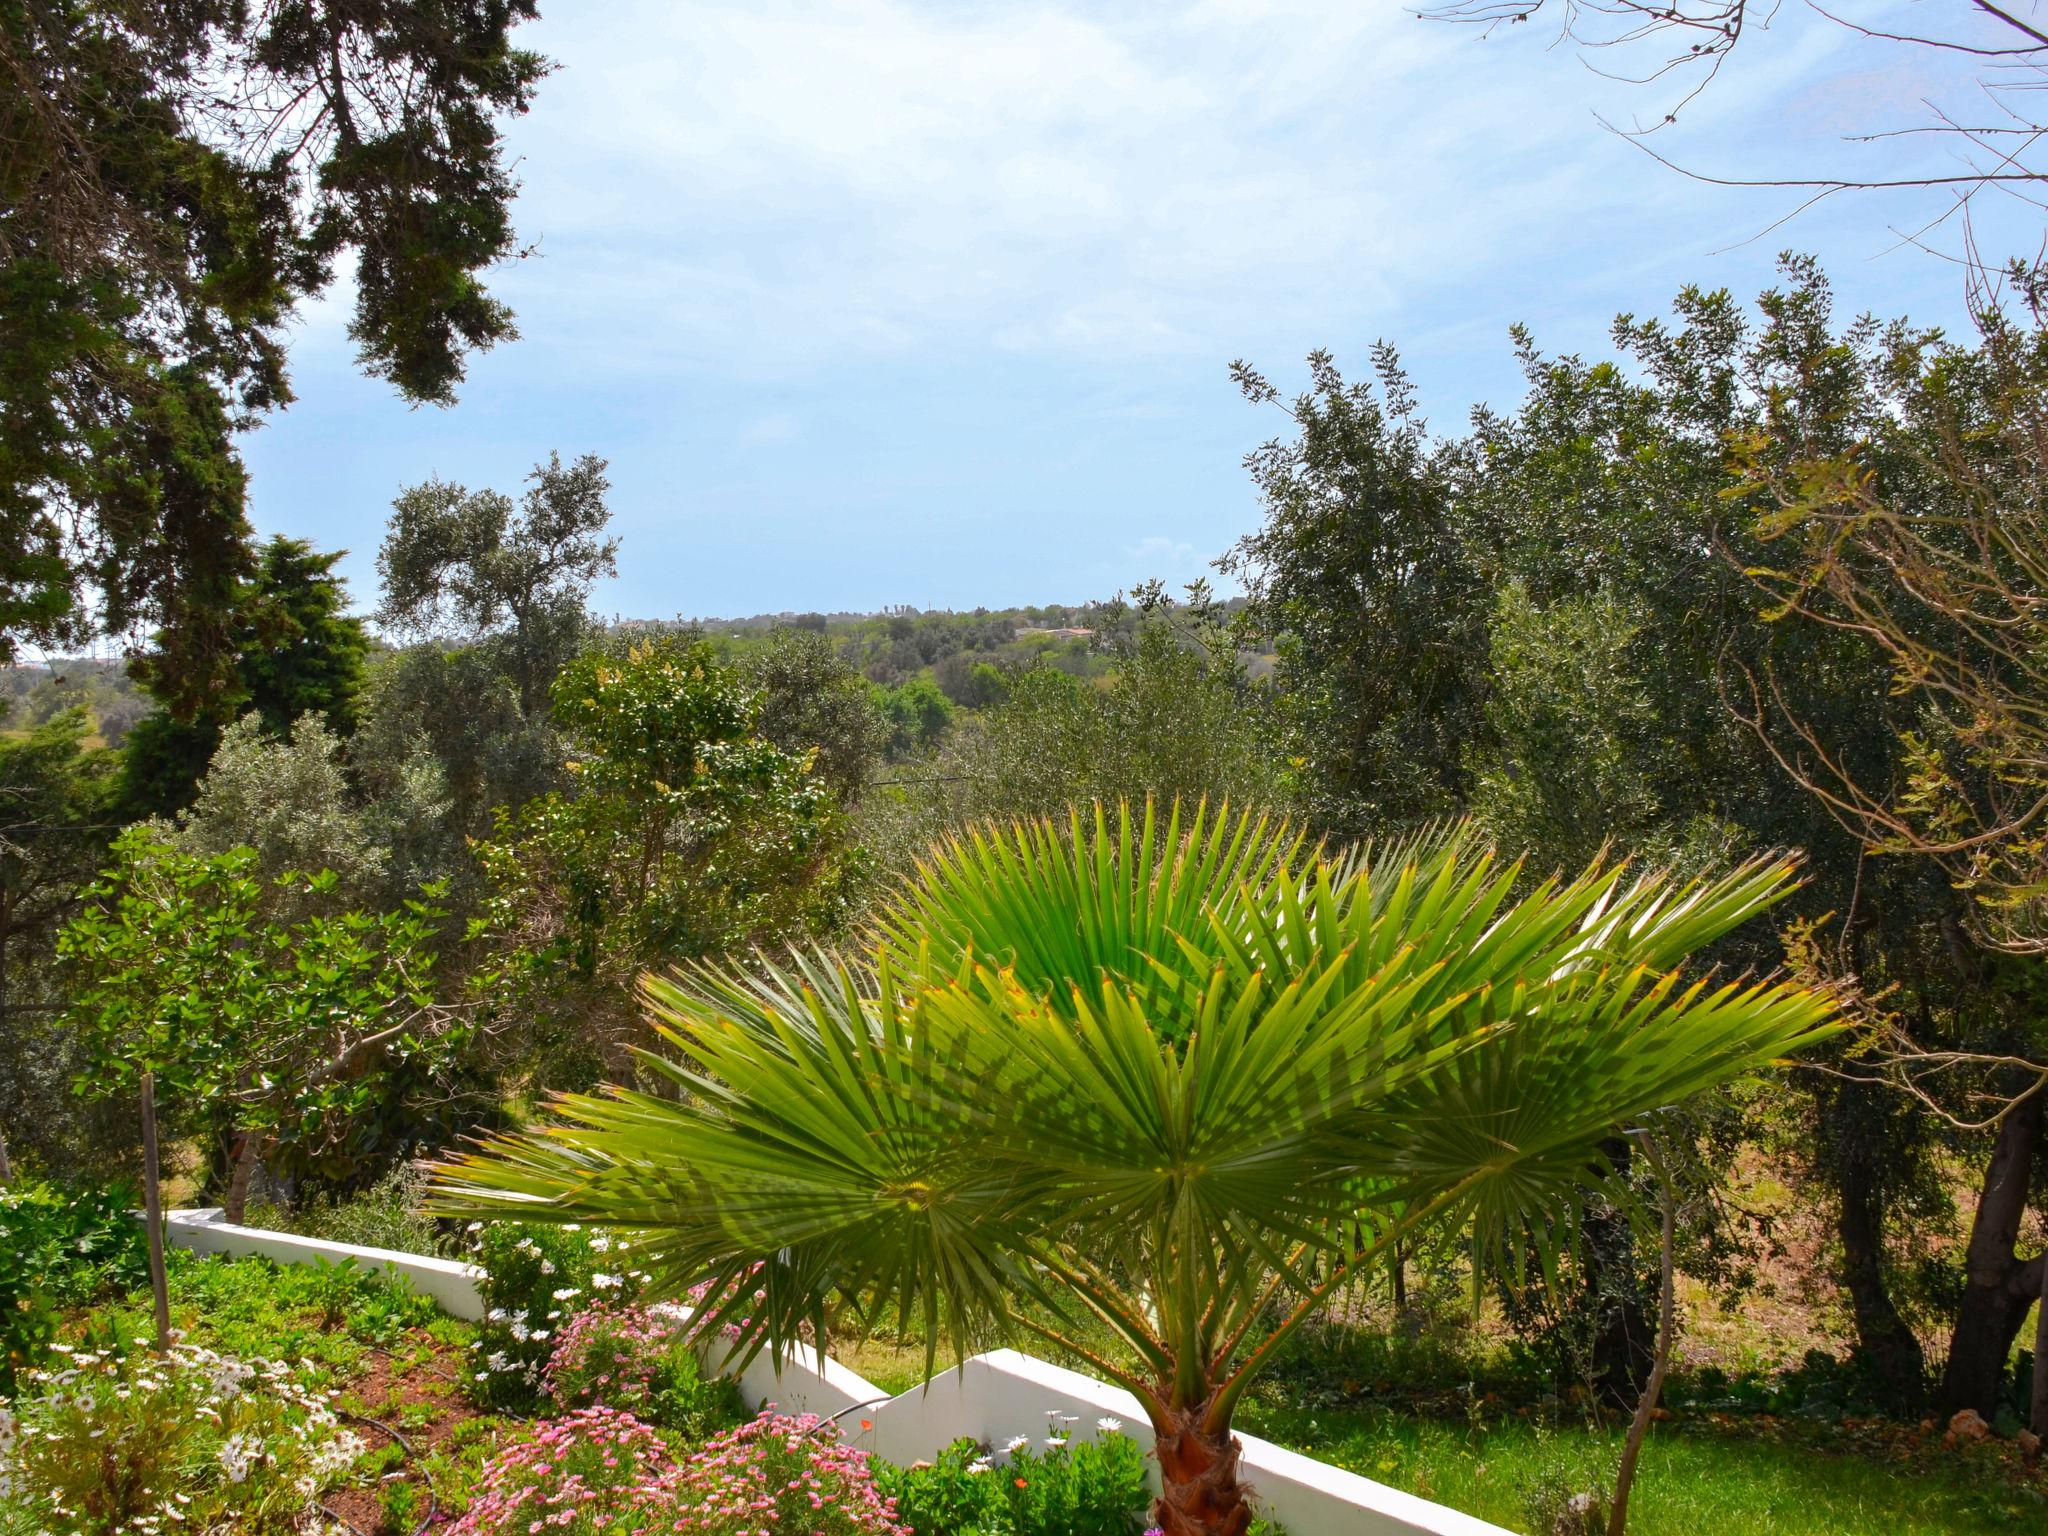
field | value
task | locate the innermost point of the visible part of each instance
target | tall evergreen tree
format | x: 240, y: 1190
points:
x: 176, y: 179
x: 298, y: 651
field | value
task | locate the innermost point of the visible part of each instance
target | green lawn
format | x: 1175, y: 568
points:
x: 1694, y: 1482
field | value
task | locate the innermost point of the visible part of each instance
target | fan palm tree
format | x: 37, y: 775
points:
x: 1150, y: 1092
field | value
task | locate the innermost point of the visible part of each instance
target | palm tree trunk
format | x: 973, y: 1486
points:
x: 1199, y: 1491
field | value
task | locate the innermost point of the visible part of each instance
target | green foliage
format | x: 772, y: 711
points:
x: 59, y: 1246
x: 686, y: 834
x: 1177, y: 720
x: 470, y: 566
x: 443, y: 743
x: 1359, y: 575
x: 1093, y: 1487
x: 1571, y: 728
x: 535, y: 1278
x: 330, y: 1315
x: 812, y: 703
x: 108, y: 1443
x: 289, y: 801
x: 1165, y: 1075
x: 57, y: 791
x: 385, y: 1215
x: 297, y: 652
x: 179, y: 179
x: 289, y: 1029
x: 1787, y: 1478
x: 918, y: 715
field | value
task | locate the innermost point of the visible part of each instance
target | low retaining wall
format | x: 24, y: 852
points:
x: 991, y: 1398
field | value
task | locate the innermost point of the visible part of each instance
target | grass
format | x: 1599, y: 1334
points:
x: 1731, y: 1480
x: 1770, y: 1471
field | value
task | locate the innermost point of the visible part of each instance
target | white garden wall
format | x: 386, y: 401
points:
x: 992, y: 1398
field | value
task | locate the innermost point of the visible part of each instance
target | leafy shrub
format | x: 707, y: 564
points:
x: 535, y: 1279
x: 638, y: 1360
x: 386, y: 1215
x: 59, y: 1247
x: 596, y: 1472
x: 1067, y: 1488
x: 322, y: 1312
x: 954, y: 1494
x: 127, y: 1443
x: 785, y: 1474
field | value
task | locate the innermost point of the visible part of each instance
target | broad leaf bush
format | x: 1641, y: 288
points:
x: 59, y: 1247
x: 1061, y: 1488
x: 194, y: 1440
x: 535, y: 1280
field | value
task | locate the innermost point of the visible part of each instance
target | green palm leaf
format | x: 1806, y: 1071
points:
x: 1140, y: 1076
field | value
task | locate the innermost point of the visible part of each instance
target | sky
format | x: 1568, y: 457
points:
x: 876, y: 302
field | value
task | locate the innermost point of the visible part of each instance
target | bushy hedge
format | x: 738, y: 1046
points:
x: 60, y: 1247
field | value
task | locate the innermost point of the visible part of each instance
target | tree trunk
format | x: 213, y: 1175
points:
x: 246, y: 1161
x: 153, y: 1214
x: 1624, y: 1338
x: 6, y: 1168
x: 1993, y: 1305
x: 1667, y: 1321
x: 1881, y: 1333
x: 1199, y: 1491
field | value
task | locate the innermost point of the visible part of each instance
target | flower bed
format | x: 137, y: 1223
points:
x: 139, y: 1442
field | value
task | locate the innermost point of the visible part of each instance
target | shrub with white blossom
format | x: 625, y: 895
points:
x: 193, y: 1440
x: 535, y: 1280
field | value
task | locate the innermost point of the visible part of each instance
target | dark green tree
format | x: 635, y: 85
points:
x: 813, y: 702
x: 474, y: 567
x: 1359, y: 575
x: 918, y: 715
x: 297, y: 651
x: 177, y: 178
x: 685, y: 833
x: 56, y: 803
x: 1625, y: 631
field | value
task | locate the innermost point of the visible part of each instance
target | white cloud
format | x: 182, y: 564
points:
x: 800, y: 181
x: 764, y: 430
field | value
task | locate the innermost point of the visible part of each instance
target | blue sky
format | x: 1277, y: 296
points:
x: 880, y: 302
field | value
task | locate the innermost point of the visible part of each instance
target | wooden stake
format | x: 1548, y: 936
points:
x: 153, y: 1213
